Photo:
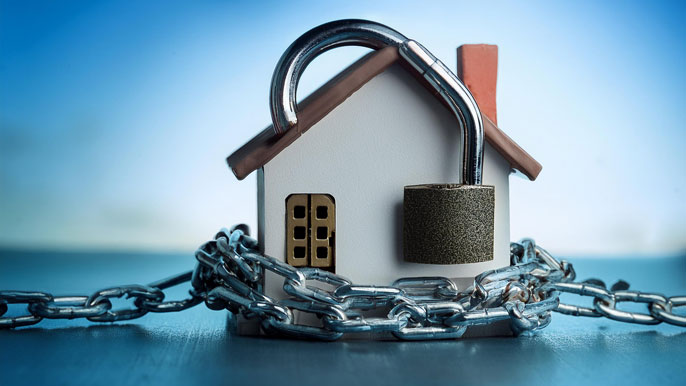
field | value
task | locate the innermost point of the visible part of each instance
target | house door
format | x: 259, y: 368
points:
x: 311, y: 230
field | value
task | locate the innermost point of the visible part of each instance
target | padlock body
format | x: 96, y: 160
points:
x: 448, y: 223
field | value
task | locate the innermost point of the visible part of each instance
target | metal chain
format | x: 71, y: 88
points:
x: 230, y: 271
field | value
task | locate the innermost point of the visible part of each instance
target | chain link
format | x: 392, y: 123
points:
x: 96, y: 307
x: 229, y: 274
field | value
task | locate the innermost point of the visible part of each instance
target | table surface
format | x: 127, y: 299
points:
x: 196, y: 347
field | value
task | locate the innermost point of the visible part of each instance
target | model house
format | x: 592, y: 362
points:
x: 330, y: 194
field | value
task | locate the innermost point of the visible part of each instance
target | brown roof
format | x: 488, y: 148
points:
x: 266, y: 145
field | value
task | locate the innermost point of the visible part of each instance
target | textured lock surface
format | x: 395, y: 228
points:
x: 448, y: 223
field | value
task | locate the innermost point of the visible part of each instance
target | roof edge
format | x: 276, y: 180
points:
x: 266, y: 145
x: 517, y: 157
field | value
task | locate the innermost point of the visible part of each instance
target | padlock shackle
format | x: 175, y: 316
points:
x: 307, y: 47
x: 352, y: 32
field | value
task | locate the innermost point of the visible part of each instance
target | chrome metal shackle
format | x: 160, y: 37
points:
x: 353, y: 32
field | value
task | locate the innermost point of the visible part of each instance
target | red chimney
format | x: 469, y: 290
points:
x: 477, y: 66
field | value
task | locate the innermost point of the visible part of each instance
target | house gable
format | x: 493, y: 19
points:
x: 266, y: 145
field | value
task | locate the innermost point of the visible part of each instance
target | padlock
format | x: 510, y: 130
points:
x: 450, y: 223
x: 445, y: 223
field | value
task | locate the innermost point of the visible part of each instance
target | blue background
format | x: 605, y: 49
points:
x: 116, y: 117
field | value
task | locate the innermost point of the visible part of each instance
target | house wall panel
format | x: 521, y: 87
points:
x: 389, y: 134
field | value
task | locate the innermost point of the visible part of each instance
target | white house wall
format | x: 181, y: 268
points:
x: 389, y: 134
